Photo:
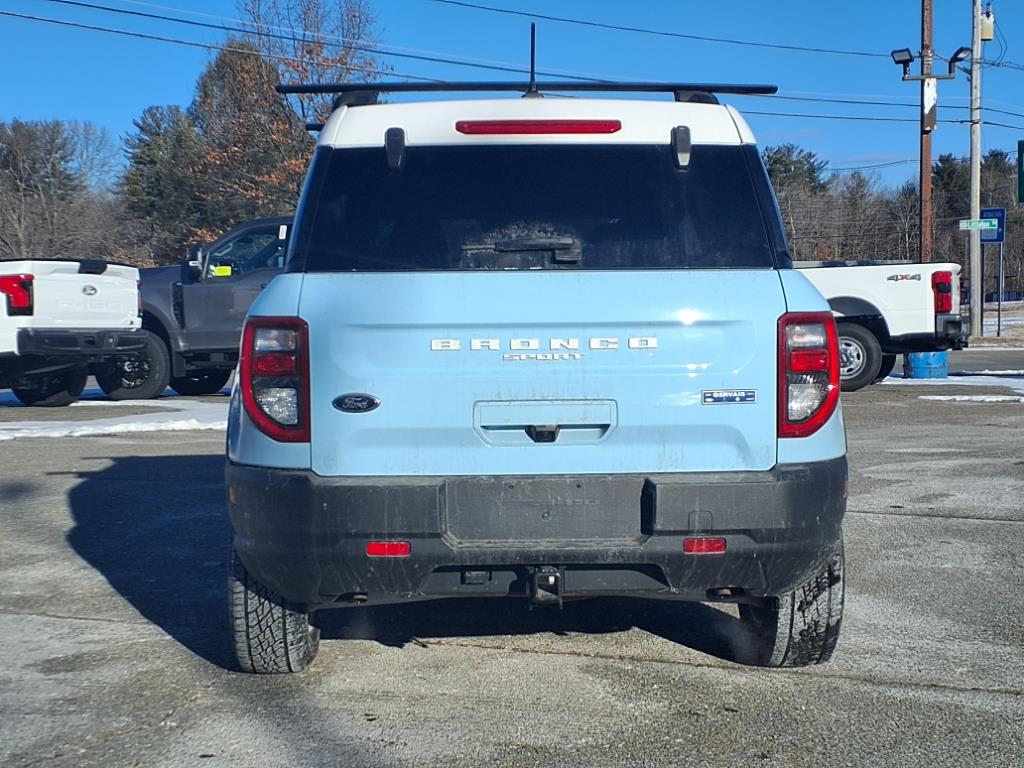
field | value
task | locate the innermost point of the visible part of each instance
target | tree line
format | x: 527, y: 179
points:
x: 186, y: 173
x: 852, y: 216
x: 239, y: 151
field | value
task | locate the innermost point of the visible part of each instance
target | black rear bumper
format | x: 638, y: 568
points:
x: 950, y: 333
x: 87, y: 346
x: 42, y: 352
x: 306, y: 536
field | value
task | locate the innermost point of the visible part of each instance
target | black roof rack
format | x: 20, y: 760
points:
x: 355, y: 94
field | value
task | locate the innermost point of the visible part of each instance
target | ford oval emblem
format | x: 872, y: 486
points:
x: 355, y: 402
x: 89, y: 290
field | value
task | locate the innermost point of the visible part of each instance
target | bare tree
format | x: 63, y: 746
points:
x: 315, y: 41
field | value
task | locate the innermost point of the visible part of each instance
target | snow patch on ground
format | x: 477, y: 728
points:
x: 974, y: 398
x: 1010, y: 379
x: 177, y: 414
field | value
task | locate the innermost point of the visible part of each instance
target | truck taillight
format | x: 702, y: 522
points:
x: 274, y: 372
x: 808, y: 372
x: 942, y: 289
x: 18, y: 290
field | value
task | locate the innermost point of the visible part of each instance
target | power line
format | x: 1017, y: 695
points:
x: 212, y: 46
x: 178, y: 41
x: 382, y: 48
x: 659, y: 32
x: 354, y: 45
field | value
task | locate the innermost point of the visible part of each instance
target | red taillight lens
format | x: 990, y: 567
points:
x: 808, y: 372
x: 942, y: 290
x: 138, y: 287
x: 274, y: 377
x: 18, y: 290
x: 704, y: 545
x: 535, y: 127
x: 388, y: 549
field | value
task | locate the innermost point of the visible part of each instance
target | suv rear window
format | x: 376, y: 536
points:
x: 603, y: 207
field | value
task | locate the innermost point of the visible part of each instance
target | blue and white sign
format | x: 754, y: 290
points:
x: 994, y: 235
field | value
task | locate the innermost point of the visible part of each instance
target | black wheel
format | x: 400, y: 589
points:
x: 888, y: 363
x: 200, y: 383
x: 860, y: 356
x: 271, y: 635
x: 137, y: 377
x: 802, y: 627
x: 54, y: 389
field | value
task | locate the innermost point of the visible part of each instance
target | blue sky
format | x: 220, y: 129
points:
x: 65, y: 73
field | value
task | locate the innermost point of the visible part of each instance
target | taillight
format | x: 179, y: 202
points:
x: 18, y: 290
x: 942, y: 290
x: 274, y: 373
x: 535, y: 127
x: 808, y: 372
x: 138, y: 287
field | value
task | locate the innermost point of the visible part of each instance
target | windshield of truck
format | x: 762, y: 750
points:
x: 603, y: 207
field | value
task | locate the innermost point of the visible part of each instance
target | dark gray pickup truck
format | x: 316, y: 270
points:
x: 193, y: 313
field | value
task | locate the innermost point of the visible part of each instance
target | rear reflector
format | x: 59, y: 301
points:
x: 388, y: 549
x: 704, y: 546
x: 535, y: 127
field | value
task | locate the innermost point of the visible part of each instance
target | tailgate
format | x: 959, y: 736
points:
x: 70, y: 294
x: 484, y: 373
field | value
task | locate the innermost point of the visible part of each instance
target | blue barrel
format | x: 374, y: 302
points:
x: 926, y: 365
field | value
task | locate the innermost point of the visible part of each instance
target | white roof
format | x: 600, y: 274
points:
x: 433, y: 122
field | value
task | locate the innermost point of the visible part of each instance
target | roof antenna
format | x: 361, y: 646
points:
x: 531, y: 91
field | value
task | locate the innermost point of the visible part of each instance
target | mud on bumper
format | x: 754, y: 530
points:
x: 306, y: 536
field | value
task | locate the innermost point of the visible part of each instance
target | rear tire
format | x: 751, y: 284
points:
x: 888, y: 363
x: 137, y: 377
x: 860, y: 356
x: 55, y: 389
x: 200, y: 383
x: 271, y: 635
x: 800, y: 628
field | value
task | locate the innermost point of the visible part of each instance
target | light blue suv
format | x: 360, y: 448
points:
x: 538, y: 348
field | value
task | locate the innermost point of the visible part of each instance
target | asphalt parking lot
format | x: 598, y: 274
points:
x: 113, y: 629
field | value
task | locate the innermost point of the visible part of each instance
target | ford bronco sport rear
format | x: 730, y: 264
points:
x: 546, y: 348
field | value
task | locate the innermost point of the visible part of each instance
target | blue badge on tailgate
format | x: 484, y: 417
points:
x: 716, y: 396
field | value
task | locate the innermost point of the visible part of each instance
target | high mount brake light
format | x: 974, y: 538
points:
x: 18, y: 290
x: 942, y: 290
x: 808, y: 372
x: 535, y: 127
x: 274, y: 373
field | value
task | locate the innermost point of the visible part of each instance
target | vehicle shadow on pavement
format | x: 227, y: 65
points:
x: 156, y: 528
x: 693, y: 625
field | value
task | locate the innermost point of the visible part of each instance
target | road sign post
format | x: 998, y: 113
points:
x: 1020, y: 171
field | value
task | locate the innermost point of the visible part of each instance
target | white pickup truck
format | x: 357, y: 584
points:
x: 886, y: 308
x: 59, y: 316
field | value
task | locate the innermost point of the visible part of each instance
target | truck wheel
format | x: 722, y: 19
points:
x: 800, y: 628
x: 55, y: 389
x: 200, y: 383
x: 137, y: 377
x: 271, y: 635
x: 888, y: 363
x: 860, y: 356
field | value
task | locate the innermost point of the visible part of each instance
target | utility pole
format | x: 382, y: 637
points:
x: 977, y: 289
x: 977, y: 283
x: 929, y: 99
